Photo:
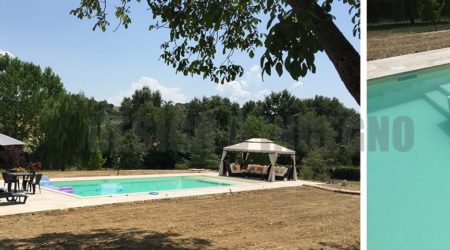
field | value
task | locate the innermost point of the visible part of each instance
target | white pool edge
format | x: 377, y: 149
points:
x: 407, y: 63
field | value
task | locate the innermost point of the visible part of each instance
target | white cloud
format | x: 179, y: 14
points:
x: 168, y: 94
x: 261, y: 94
x: 3, y: 52
x: 235, y: 90
x: 240, y: 90
x: 296, y: 85
x: 254, y: 75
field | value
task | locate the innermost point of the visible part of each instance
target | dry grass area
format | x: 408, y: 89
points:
x: 109, y: 172
x: 288, y: 218
x: 389, y: 43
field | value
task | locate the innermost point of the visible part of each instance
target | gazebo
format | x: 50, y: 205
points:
x: 265, y: 146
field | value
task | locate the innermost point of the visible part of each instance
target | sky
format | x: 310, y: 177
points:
x: 112, y: 65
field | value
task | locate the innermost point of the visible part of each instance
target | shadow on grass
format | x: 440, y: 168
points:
x: 108, y: 238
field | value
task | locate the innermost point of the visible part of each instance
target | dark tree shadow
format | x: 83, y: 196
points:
x: 333, y: 245
x: 108, y: 238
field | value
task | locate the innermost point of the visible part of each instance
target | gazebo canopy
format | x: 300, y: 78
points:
x: 9, y: 141
x: 259, y: 145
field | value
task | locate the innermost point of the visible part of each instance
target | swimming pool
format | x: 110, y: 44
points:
x: 408, y: 190
x: 152, y: 185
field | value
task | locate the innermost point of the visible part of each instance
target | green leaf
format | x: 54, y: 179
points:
x: 267, y: 68
x: 279, y: 68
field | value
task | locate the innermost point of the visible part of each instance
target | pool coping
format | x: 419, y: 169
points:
x: 234, y: 182
x: 51, y: 200
x: 407, y: 63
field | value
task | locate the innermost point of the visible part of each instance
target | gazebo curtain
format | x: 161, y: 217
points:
x: 221, y: 167
x: 273, y: 160
x: 294, y: 169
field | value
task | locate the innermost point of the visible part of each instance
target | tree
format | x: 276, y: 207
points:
x: 257, y: 127
x: 282, y: 105
x: 67, y: 127
x: 110, y: 143
x: 200, y: 29
x: 431, y: 11
x: 143, y: 98
x: 411, y: 10
x: 202, y: 146
x: 132, y: 151
x: 314, y: 132
x: 168, y: 139
x: 24, y: 90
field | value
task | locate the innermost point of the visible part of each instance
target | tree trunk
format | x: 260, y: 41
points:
x: 344, y: 57
x: 409, y: 6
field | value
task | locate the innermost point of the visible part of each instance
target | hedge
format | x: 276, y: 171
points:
x: 346, y: 173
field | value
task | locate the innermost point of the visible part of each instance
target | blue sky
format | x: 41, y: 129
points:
x: 111, y: 65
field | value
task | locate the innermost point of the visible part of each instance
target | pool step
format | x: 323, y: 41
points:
x: 445, y: 88
x: 439, y: 101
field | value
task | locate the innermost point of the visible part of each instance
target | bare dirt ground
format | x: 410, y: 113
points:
x: 288, y: 218
x: 388, y: 43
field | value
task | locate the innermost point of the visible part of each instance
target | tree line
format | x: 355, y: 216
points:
x: 408, y: 11
x: 64, y: 130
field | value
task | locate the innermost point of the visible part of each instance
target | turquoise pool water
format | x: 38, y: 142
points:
x: 409, y: 190
x: 135, y: 185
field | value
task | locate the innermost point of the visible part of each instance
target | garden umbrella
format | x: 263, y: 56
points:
x: 9, y: 141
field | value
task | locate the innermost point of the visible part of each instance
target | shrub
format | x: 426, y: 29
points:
x: 347, y: 173
x: 96, y: 160
x: 212, y: 164
x: 306, y: 173
x: 318, y: 162
x: 181, y: 166
x: 160, y: 159
x: 11, y: 157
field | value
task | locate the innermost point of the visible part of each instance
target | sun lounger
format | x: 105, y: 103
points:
x: 280, y: 173
x: 13, y: 196
x: 235, y: 170
x: 258, y: 171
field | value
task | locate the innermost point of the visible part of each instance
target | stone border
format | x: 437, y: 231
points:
x: 407, y: 63
x: 337, y: 190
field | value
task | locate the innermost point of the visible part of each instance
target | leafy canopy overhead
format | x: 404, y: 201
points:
x: 204, y: 34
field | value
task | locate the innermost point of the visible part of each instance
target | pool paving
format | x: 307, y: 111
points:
x: 406, y: 63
